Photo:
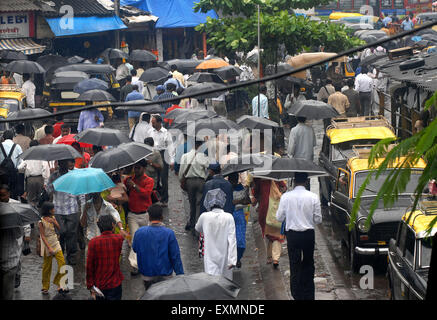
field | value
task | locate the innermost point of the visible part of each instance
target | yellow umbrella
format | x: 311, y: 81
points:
x: 212, y: 64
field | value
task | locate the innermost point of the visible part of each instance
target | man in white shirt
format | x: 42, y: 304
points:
x: 28, y: 89
x: 163, y: 141
x: 301, y: 141
x: 18, y: 79
x: 301, y: 211
x: 7, y: 146
x: 65, y: 131
x: 136, y: 81
x: 364, y: 86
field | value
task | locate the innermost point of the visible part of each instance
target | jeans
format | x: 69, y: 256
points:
x: 365, y: 101
x: 300, y: 246
x: 7, y: 283
x: 68, y: 235
x: 163, y: 177
x: 111, y: 294
x: 195, y: 192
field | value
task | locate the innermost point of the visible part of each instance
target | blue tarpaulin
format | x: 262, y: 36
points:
x: 79, y: 25
x: 172, y: 13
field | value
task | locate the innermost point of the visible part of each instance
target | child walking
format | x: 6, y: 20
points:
x: 50, y: 247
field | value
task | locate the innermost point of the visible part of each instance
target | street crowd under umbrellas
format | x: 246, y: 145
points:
x: 99, y: 182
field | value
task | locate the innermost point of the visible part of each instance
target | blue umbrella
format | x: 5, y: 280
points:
x: 83, y: 181
x: 90, y: 84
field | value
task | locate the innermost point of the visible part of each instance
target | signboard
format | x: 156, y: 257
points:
x: 16, y: 25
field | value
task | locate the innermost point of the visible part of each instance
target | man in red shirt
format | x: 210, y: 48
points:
x: 139, y: 189
x: 57, y: 126
x: 175, y: 106
x: 103, y: 264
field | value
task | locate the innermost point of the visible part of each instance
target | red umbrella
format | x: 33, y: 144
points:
x: 69, y: 139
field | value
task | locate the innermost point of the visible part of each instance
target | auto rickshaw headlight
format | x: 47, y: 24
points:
x: 361, y: 224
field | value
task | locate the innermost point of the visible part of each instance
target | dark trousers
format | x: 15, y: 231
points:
x: 365, y: 100
x: 7, y: 283
x: 163, y: 178
x: 195, y: 192
x: 68, y: 235
x: 111, y: 294
x: 240, y: 252
x: 301, y: 254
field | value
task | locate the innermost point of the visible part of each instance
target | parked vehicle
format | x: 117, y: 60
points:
x: 11, y: 99
x: 363, y: 240
x: 409, y: 256
x: 337, y: 144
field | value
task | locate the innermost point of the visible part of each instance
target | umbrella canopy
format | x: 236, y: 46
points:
x: 75, y: 59
x: 51, y: 60
x: 212, y: 64
x: 369, y: 38
x: 182, y: 119
x: 202, y: 87
x: 373, y: 58
x: 142, y: 55
x: 69, y: 139
x: 12, y: 55
x: 14, y: 214
x: 205, y: 77
x: 313, y: 109
x: 215, y: 124
x: 135, y: 105
x: 284, y: 168
x: 186, y: 66
x: 25, y: 66
x: 112, y: 53
x: 67, y: 79
x: 50, y: 152
x: 96, y: 95
x: 154, y: 74
x: 185, y: 114
x: 253, y: 122
x: 124, y: 155
x: 228, y: 72
x: 102, y: 137
x: 90, y: 84
x: 197, y: 286
x: 28, y: 112
x: 242, y: 163
x: 83, y: 181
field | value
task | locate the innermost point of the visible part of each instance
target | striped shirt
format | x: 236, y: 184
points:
x: 10, y: 244
x: 166, y: 95
x: 65, y: 203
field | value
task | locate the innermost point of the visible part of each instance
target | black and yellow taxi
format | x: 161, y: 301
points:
x: 337, y: 144
x: 368, y: 239
x: 410, y: 250
x: 11, y: 100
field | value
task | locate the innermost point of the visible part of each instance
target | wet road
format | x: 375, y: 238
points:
x: 258, y: 281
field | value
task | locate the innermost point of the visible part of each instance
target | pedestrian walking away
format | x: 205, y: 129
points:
x: 364, y: 86
x: 300, y: 209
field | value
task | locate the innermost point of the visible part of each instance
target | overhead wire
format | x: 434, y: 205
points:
x: 233, y: 86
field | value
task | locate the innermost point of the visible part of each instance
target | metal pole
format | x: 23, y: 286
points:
x: 117, y: 32
x: 259, y: 64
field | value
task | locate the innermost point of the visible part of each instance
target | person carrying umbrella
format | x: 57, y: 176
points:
x: 301, y: 211
x: 218, y: 227
x: 301, y: 141
x: 91, y: 118
x: 339, y: 101
x: 157, y: 249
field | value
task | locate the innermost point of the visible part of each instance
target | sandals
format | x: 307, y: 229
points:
x: 44, y: 291
x: 275, y: 264
x: 269, y: 260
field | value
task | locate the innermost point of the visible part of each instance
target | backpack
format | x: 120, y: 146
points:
x: 7, y: 166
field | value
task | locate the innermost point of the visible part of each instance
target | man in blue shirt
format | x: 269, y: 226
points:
x: 90, y: 119
x: 170, y: 87
x: 407, y: 24
x: 386, y: 21
x: 264, y: 104
x: 133, y: 116
x: 157, y: 249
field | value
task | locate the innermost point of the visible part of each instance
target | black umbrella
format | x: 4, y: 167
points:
x: 102, y: 137
x: 372, y: 58
x: 88, y: 68
x: 135, y: 105
x: 284, y: 168
x: 90, y: 84
x: 122, y: 156
x: 154, y: 74
x: 228, y: 72
x: 28, y: 112
x: 313, y: 109
x: 186, y: 66
x: 202, y: 87
x: 50, y: 152
x: 112, y: 53
x: 12, y: 55
x: 197, y: 286
x: 253, y: 122
x: 205, y: 77
x: 14, y: 214
x: 142, y: 55
x: 3, y: 66
x: 96, y: 95
x: 192, y: 114
x: 51, y: 60
x: 242, y: 163
x: 75, y: 59
x: 369, y: 38
x: 216, y: 125
x: 25, y: 66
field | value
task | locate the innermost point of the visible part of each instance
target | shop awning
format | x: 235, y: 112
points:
x: 81, y: 25
x: 26, y: 45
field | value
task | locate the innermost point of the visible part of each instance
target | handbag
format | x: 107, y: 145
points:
x: 183, y: 180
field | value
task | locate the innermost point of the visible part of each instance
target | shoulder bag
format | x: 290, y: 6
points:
x: 184, y: 179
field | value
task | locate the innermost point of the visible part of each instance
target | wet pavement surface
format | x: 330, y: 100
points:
x: 259, y: 281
